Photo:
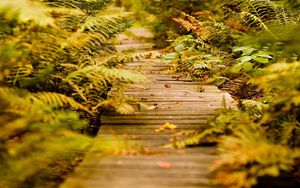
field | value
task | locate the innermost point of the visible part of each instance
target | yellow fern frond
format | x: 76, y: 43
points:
x: 59, y: 100
x: 124, y: 108
x: 190, y: 23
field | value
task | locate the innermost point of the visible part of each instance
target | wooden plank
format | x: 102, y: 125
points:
x: 137, y: 132
x: 137, y: 47
x: 154, y: 117
x: 175, y: 99
x: 173, y: 111
x: 190, y: 88
x: 152, y: 126
x: 176, y: 93
x: 188, y: 154
x: 147, y: 66
x: 169, y: 88
x: 149, y: 172
x: 148, y: 122
x: 173, y: 107
x: 142, y: 182
x: 176, y: 82
x: 163, y: 113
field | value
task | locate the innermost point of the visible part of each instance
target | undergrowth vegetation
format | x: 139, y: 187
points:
x: 250, y: 49
x: 164, y: 29
x: 57, y: 72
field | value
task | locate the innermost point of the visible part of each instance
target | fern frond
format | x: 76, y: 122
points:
x: 69, y: 66
x: 282, y: 76
x: 124, y: 108
x: 196, y: 27
x: 122, y: 75
x: 118, y: 101
x: 118, y: 104
x: 26, y: 102
x: 102, y: 75
x: 262, y: 15
x: 20, y: 105
x: 19, y: 72
x: 254, y: 21
x: 210, y: 33
x: 253, y: 107
x: 196, y: 139
x: 93, y: 32
x: 88, y: 6
x: 249, y: 155
x: 56, y: 100
x: 76, y: 88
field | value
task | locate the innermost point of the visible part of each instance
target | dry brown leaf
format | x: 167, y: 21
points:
x: 167, y: 85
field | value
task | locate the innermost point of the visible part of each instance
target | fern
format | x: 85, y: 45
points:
x: 99, y: 78
x: 191, y: 24
x: 117, y: 101
x: 23, y: 102
x: 225, y: 122
x: 249, y: 155
x: 275, y: 76
x: 17, y: 104
x: 56, y: 100
x: 262, y: 15
x: 88, y: 6
x: 262, y: 138
x: 283, y: 124
x: 122, y: 75
x: 254, y: 108
x: 213, y: 35
x: 82, y: 37
x: 47, y: 54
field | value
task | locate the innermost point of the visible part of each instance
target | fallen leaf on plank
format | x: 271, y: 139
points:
x: 166, y: 126
x: 167, y: 85
x: 164, y: 165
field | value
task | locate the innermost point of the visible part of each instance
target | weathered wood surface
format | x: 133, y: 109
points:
x: 174, y: 99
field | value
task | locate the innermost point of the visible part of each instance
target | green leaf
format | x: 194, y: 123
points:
x: 179, y: 48
x: 262, y: 54
x: 245, y: 59
x: 171, y: 56
x: 245, y: 66
x: 240, y: 49
x: 262, y: 60
x: 246, y: 50
x: 167, y: 61
x: 218, y: 80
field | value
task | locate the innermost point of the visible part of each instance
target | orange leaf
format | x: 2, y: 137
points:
x: 164, y: 165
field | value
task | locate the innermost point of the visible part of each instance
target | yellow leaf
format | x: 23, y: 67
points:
x: 166, y: 126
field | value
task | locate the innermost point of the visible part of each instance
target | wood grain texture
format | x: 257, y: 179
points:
x: 174, y: 99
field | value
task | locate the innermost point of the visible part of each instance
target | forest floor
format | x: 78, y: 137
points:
x: 133, y: 151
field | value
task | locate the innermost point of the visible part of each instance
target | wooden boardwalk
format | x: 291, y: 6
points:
x: 173, y: 99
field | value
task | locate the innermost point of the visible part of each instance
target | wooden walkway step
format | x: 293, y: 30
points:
x: 171, y: 99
